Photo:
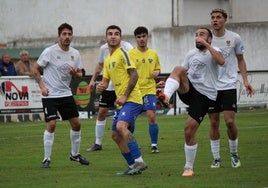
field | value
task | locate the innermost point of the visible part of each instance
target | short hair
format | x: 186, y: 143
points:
x: 209, y: 31
x: 24, y: 52
x: 4, y: 54
x: 219, y: 10
x: 65, y: 26
x: 113, y: 27
x: 139, y: 30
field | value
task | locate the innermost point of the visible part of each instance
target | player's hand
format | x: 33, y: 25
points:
x: 121, y: 100
x: 44, y: 91
x: 155, y: 74
x: 100, y: 87
x: 91, y: 84
x: 72, y: 71
x: 250, y: 90
x: 160, y: 84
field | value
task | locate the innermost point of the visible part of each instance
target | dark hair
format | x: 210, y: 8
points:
x: 219, y: 10
x: 140, y: 30
x: 209, y: 31
x: 113, y: 27
x: 64, y: 26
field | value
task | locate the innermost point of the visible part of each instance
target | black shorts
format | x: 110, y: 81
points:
x: 226, y: 101
x: 65, y: 106
x: 197, y: 102
x: 107, y: 99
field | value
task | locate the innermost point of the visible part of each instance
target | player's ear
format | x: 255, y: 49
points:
x: 209, y: 40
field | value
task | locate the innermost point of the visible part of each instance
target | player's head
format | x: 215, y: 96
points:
x: 140, y: 30
x: 113, y: 27
x: 113, y: 36
x: 64, y: 26
x: 65, y: 35
x: 218, y: 18
x: 141, y: 36
x: 205, y: 34
x: 221, y: 11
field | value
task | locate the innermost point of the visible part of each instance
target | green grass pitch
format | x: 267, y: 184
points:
x: 21, y: 149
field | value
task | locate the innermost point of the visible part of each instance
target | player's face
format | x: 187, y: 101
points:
x: 65, y: 38
x: 200, y: 36
x: 113, y: 37
x: 141, y: 40
x: 217, y: 21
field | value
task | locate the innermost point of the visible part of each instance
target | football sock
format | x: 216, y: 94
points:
x: 153, y: 131
x: 215, y: 148
x: 99, y: 130
x: 190, y: 153
x: 134, y: 149
x: 171, y: 86
x: 233, y: 145
x: 48, y: 143
x: 75, y: 137
x: 128, y: 158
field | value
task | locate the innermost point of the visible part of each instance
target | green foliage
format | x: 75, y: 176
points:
x: 21, y: 147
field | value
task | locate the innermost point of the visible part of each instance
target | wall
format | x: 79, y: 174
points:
x: 32, y: 24
x: 34, y: 19
x: 173, y: 43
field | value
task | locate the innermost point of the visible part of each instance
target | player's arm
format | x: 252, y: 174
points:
x: 217, y: 56
x: 76, y: 73
x: 103, y: 84
x: 37, y: 77
x: 95, y: 74
x: 131, y: 84
x: 155, y: 73
x: 243, y: 70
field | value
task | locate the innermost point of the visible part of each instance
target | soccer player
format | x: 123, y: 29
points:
x: 122, y: 72
x: 107, y: 97
x: 195, y: 83
x: 148, y: 68
x: 60, y: 63
x: 232, y: 46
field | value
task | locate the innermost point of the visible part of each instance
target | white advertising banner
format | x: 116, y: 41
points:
x: 259, y: 81
x: 19, y: 94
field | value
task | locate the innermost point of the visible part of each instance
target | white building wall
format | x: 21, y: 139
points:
x: 33, y: 24
x: 34, y: 19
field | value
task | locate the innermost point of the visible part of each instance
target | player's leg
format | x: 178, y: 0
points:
x: 68, y: 111
x: 150, y: 107
x: 50, y: 115
x: 230, y: 108
x: 106, y: 101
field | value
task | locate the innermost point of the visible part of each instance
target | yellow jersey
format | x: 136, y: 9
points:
x: 146, y: 63
x: 115, y: 69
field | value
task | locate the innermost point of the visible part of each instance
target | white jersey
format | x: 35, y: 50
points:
x: 104, y: 52
x: 55, y: 63
x: 230, y: 45
x: 202, y: 71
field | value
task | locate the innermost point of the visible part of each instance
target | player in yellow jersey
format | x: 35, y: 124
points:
x: 122, y: 72
x: 148, y: 67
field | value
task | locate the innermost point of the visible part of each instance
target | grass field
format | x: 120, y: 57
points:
x: 21, y: 148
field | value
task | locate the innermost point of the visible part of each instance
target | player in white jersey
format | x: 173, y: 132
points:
x: 195, y: 83
x: 232, y: 47
x: 107, y: 97
x: 60, y: 63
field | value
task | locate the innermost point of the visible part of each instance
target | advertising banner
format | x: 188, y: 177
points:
x: 19, y: 94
